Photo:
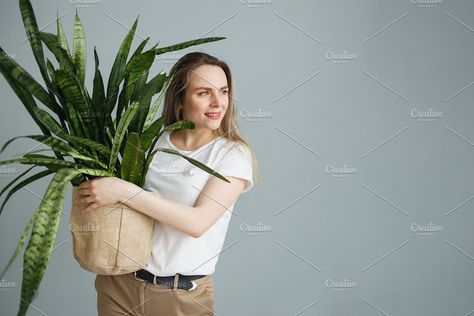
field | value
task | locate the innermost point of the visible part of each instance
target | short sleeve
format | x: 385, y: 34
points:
x: 237, y: 163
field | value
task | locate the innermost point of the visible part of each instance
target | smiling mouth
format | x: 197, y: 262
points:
x: 213, y: 116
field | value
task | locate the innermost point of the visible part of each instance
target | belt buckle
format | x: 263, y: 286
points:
x: 154, y: 279
x: 135, y: 274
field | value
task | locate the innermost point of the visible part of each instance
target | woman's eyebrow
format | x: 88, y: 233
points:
x: 208, y: 88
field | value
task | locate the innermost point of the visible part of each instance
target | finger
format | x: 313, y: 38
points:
x: 89, y: 208
x: 86, y: 200
x: 84, y: 191
x: 84, y: 184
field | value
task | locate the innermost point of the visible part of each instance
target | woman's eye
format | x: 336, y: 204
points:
x: 225, y: 91
x: 201, y: 93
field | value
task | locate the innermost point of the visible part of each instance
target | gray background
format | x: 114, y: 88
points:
x: 331, y: 243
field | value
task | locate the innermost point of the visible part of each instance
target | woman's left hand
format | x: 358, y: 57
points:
x: 99, y: 192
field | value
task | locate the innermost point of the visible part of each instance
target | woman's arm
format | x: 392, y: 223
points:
x: 214, y: 199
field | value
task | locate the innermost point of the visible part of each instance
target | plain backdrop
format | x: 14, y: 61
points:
x: 361, y: 117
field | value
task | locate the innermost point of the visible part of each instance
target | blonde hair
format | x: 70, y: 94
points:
x: 176, y: 91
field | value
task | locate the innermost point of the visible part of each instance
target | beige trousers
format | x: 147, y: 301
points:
x: 125, y: 295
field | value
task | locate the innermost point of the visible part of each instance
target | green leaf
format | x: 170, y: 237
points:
x: 150, y: 133
x: 98, y: 93
x: 179, y: 125
x: 21, y: 184
x: 155, y: 106
x: 75, y: 95
x: 195, y: 162
x: 58, y: 145
x: 149, y: 90
x: 121, y: 129
x: 43, y: 235
x: 79, y: 50
x: 27, y: 100
x: 186, y: 44
x: 61, y: 55
x: 33, y: 159
x: 137, y: 68
x: 131, y: 169
x: 61, y: 35
x: 118, y: 68
x: 32, y: 32
x: 23, y: 78
x: 20, y: 244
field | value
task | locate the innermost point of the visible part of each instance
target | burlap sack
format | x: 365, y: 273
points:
x: 110, y: 240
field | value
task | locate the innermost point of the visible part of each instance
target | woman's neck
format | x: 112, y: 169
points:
x: 190, y: 139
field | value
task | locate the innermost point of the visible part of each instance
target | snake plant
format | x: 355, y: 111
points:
x: 86, y: 137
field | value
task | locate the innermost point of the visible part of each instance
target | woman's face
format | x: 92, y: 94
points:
x: 206, y: 99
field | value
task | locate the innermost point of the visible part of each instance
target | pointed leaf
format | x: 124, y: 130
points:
x: 187, y: 44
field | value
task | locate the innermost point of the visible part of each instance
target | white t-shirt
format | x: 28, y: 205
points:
x: 176, y: 179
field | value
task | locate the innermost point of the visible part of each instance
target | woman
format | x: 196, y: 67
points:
x: 193, y: 209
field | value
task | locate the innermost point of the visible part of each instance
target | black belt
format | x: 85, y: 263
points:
x: 185, y: 282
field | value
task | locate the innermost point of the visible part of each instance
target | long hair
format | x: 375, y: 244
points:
x: 176, y: 91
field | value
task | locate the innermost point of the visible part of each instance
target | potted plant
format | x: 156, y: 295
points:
x: 83, y: 133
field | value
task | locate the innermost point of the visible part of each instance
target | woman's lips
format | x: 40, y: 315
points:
x: 213, y: 115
